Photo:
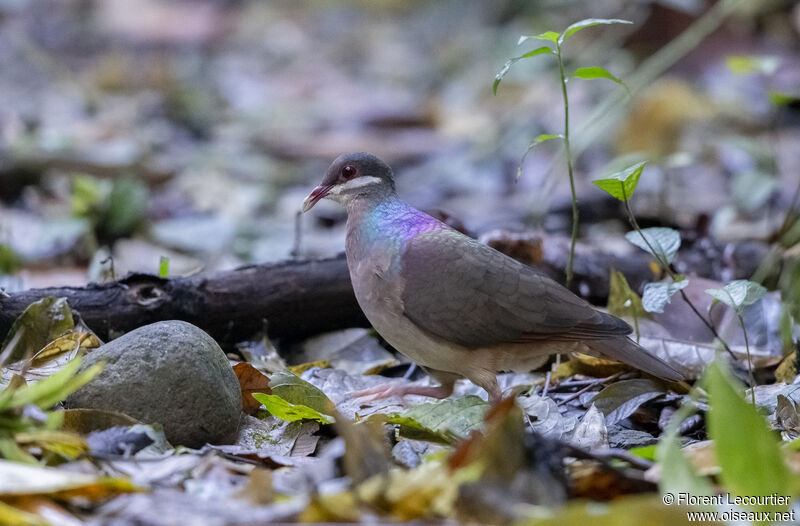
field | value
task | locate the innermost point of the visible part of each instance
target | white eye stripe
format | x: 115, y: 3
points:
x: 358, y: 182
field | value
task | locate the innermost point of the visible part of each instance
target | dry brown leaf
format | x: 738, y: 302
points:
x: 590, y: 366
x: 594, y: 481
x: 84, y: 421
x: 251, y: 381
x: 787, y: 370
x: 75, y: 341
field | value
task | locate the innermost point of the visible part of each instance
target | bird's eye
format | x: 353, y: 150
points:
x: 349, y: 171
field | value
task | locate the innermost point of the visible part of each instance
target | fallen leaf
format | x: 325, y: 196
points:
x: 39, y: 324
x: 84, y: 421
x: 251, y: 380
x: 591, y: 433
x: 20, y: 479
x: 787, y: 370
x: 787, y: 417
x: 284, y: 410
x: 444, y: 421
x: 297, y: 391
x: 621, y: 399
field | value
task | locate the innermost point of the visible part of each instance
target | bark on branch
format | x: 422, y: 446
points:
x: 303, y: 298
x: 298, y: 298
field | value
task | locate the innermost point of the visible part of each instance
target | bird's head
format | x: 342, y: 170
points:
x: 352, y: 176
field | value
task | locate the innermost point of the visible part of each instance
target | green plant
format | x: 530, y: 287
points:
x: 9, y: 260
x: 661, y: 243
x: 163, y: 267
x: 25, y: 419
x: 114, y: 208
x: 737, y: 295
x: 746, y: 450
x: 556, y: 42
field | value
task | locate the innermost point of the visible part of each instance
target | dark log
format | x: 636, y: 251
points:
x: 298, y: 298
x: 303, y: 298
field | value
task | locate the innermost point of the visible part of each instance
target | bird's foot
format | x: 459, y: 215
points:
x: 397, y: 389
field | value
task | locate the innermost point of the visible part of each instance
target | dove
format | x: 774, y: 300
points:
x: 457, y: 307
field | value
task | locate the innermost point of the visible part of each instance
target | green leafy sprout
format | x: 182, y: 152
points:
x: 738, y: 294
x: 661, y: 243
x: 554, y: 47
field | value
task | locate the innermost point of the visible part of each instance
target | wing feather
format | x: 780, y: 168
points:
x: 466, y: 292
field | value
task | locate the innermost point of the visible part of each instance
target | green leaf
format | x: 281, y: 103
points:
x: 163, y: 267
x: 663, y: 243
x: 589, y: 22
x: 746, y: 449
x: 738, y: 294
x: 445, y: 421
x: 88, y: 194
x: 776, y: 98
x: 52, y: 389
x: 677, y: 473
x: 751, y: 189
x: 645, y: 452
x: 127, y: 206
x: 744, y: 64
x: 9, y: 450
x: 507, y: 66
x: 40, y: 323
x: 596, y: 72
x: 534, y: 143
x: 10, y: 262
x: 621, y: 185
x: 297, y: 391
x: 284, y: 410
x: 538, y: 51
x: 657, y: 295
x: 622, y: 300
x: 552, y: 36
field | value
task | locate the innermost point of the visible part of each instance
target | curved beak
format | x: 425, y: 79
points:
x: 315, y: 195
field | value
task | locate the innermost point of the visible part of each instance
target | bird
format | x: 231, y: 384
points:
x: 455, y: 306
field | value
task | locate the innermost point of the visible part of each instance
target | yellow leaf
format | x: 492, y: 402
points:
x: 21, y: 479
x: 303, y: 367
x: 13, y: 517
x: 787, y: 370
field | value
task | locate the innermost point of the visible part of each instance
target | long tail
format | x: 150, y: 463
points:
x: 623, y: 349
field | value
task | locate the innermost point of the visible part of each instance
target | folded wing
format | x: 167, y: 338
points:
x: 465, y: 292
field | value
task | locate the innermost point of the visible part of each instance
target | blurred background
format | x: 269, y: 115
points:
x: 137, y: 130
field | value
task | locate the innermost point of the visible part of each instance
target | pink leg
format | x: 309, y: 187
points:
x: 389, y: 390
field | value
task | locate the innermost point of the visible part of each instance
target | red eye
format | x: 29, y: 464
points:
x: 349, y: 171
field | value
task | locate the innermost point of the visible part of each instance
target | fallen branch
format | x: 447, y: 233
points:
x: 298, y: 298
x: 302, y: 298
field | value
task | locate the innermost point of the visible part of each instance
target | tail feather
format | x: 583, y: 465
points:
x: 623, y: 349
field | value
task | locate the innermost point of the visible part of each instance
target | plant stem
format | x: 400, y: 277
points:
x: 635, y: 318
x: 749, y: 361
x: 568, y: 154
x: 668, y: 269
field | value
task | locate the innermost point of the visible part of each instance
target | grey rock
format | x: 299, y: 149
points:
x: 171, y: 373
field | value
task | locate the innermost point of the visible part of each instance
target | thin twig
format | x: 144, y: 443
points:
x: 599, y: 381
x: 546, y: 384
